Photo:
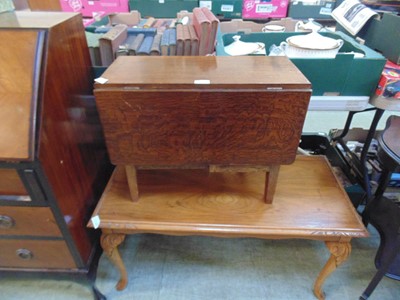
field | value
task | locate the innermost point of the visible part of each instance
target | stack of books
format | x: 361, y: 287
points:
x: 195, y: 37
x: 206, y: 25
x: 168, y: 42
x: 191, y: 35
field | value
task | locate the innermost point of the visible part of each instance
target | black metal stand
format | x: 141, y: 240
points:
x: 359, y: 164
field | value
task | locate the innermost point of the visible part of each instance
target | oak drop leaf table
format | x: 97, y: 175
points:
x: 309, y: 203
x: 224, y: 114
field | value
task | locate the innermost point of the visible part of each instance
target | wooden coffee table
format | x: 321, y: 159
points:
x: 309, y: 203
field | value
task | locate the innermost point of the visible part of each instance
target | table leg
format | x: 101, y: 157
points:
x: 271, y: 179
x: 131, y: 176
x: 340, y: 251
x: 109, y: 243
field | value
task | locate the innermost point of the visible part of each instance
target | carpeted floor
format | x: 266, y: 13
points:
x: 204, y: 268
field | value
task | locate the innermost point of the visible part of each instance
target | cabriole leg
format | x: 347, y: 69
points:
x: 340, y: 251
x: 109, y: 243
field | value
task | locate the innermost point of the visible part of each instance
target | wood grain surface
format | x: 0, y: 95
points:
x: 45, y: 254
x: 192, y: 128
x: 247, y: 115
x: 70, y: 165
x: 11, y: 184
x: 174, y: 72
x: 309, y: 203
x: 30, y: 221
x: 74, y: 165
x: 44, y: 5
x: 16, y: 94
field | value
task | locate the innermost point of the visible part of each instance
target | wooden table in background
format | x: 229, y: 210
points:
x: 309, y: 203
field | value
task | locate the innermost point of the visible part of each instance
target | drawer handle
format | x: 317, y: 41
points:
x: 6, y: 222
x: 24, y: 254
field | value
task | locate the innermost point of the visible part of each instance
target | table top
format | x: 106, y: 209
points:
x: 204, y: 72
x: 309, y: 202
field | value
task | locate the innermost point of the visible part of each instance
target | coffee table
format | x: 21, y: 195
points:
x: 309, y: 203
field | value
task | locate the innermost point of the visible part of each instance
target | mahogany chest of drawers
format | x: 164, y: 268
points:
x: 53, y: 161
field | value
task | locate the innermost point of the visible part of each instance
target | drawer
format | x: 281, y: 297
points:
x: 11, y: 186
x: 35, y: 254
x: 33, y: 221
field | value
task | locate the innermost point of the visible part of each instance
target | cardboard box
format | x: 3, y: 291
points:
x: 389, y: 85
x: 382, y: 34
x: 264, y: 9
x: 343, y: 75
x: 132, y: 18
x: 162, y: 8
x: 224, y: 9
x: 89, y: 8
x: 319, y: 9
x: 246, y: 26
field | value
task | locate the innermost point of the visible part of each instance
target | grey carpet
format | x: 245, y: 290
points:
x: 203, y: 268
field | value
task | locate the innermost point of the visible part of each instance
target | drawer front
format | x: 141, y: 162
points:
x: 11, y: 186
x: 35, y: 254
x: 32, y: 221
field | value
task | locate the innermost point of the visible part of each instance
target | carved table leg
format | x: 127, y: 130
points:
x: 109, y: 243
x: 340, y: 251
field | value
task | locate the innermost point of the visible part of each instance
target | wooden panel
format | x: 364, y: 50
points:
x: 198, y: 128
x: 11, y: 184
x: 176, y: 72
x: 46, y: 5
x: 72, y: 155
x: 30, y: 221
x: 16, y: 93
x: 45, y: 254
x: 309, y: 202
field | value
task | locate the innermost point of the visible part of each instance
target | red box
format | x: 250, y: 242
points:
x: 90, y: 8
x: 263, y: 9
x: 389, y: 84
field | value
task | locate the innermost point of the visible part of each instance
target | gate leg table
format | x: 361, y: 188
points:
x: 309, y: 203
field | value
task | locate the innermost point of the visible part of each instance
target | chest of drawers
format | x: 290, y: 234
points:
x: 53, y: 162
